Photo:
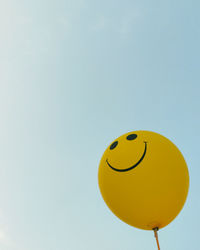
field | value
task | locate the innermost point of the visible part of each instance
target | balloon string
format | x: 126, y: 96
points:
x: 156, y: 236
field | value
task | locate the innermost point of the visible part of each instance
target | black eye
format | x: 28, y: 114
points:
x: 113, y: 145
x: 131, y: 137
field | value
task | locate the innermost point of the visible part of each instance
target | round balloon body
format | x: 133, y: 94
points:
x: 144, y: 179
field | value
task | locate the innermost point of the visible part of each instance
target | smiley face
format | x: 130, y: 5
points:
x: 143, y: 179
x: 130, y: 137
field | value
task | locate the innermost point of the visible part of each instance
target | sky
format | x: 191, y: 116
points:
x: 75, y: 75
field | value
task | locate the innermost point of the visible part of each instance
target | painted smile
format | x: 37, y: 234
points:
x: 135, y: 165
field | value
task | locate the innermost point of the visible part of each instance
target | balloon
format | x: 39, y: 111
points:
x: 144, y: 179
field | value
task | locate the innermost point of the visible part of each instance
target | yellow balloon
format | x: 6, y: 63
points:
x: 144, y: 179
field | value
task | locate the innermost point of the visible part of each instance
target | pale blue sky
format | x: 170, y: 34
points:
x: 74, y: 75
